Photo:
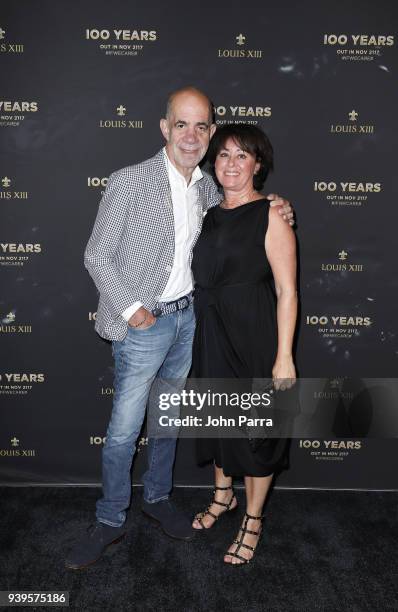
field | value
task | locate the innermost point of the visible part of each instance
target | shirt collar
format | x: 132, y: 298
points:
x: 173, y: 172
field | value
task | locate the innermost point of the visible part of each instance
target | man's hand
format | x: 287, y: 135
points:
x: 285, y: 208
x: 142, y: 318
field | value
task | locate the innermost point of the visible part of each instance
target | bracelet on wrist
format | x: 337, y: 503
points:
x: 141, y: 322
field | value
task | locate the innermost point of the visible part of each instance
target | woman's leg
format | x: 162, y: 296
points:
x: 256, y: 492
x: 223, y: 497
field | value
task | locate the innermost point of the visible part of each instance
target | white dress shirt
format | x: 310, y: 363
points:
x: 185, y: 225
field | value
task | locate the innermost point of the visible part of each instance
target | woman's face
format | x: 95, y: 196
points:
x: 234, y: 167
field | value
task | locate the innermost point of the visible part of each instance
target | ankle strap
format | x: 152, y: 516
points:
x: 222, y: 488
x: 254, y: 518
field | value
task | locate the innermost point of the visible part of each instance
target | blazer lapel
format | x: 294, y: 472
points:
x: 165, y: 201
x: 200, y: 209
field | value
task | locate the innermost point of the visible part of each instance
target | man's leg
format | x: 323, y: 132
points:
x: 161, y: 451
x: 137, y: 360
x: 158, y: 479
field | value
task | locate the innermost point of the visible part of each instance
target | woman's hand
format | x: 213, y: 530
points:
x: 284, y: 373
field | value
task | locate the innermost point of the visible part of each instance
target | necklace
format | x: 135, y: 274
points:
x: 224, y: 203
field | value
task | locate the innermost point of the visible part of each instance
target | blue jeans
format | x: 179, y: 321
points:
x: 161, y: 351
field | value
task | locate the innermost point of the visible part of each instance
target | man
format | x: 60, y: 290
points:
x: 139, y: 256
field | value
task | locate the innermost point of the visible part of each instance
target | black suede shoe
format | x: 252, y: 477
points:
x: 173, y: 522
x: 91, y: 546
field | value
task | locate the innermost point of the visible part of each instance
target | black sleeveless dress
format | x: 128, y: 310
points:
x: 236, y: 329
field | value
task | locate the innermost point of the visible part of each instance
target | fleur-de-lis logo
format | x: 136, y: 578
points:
x: 9, y: 318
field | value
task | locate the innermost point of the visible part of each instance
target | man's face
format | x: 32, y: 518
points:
x: 187, y: 130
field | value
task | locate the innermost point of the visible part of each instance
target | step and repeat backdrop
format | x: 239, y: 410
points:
x: 83, y: 86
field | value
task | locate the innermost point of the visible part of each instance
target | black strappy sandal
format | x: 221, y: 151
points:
x: 240, y: 544
x: 199, y: 517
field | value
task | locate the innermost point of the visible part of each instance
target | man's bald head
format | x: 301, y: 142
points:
x: 189, y: 92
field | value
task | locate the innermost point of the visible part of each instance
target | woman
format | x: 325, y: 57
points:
x: 245, y: 255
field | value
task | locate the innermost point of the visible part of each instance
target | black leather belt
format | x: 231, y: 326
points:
x: 165, y: 308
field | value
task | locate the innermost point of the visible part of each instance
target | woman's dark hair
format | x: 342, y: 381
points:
x: 252, y: 140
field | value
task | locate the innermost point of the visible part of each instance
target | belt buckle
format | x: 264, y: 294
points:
x: 180, y: 304
x: 184, y: 302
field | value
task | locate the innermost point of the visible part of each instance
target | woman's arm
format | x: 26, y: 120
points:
x: 280, y: 247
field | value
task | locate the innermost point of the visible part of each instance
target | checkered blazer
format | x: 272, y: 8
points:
x: 130, y: 252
